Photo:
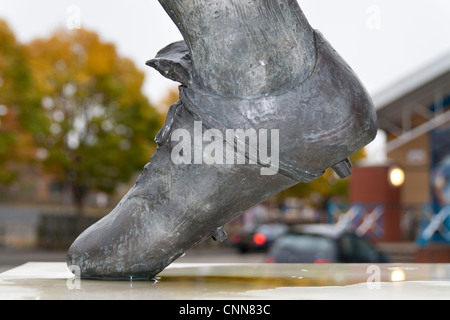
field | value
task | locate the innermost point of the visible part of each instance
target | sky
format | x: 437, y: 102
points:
x: 382, y: 40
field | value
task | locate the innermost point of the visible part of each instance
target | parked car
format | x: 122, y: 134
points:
x: 323, y: 244
x: 260, y: 239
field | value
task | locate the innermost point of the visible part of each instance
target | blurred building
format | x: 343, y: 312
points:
x: 414, y: 114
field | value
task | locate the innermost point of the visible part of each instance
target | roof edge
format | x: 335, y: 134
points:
x: 413, y: 81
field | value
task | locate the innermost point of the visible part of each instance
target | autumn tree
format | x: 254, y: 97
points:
x: 99, y: 125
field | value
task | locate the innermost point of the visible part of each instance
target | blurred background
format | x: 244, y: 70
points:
x: 79, y: 111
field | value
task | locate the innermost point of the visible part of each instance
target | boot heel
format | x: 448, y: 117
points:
x: 343, y: 169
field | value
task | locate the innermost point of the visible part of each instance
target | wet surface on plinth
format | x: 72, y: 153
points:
x: 237, y: 282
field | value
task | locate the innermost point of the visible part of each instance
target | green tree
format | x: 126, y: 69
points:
x: 16, y: 105
x: 99, y: 126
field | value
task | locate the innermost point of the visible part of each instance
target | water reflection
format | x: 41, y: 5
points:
x: 398, y: 275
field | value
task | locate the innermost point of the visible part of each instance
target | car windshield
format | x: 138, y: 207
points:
x: 304, y: 248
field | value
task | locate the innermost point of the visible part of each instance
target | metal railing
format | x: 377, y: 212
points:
x: 434, y: 225
x: 422, y: 224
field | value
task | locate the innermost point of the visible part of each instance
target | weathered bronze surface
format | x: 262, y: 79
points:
x: 243, y: 65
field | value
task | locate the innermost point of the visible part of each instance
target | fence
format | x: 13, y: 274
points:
x: 59, y: 231
x: 2, y: 235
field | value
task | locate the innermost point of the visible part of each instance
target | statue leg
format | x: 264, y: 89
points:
x: 260, y: 45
